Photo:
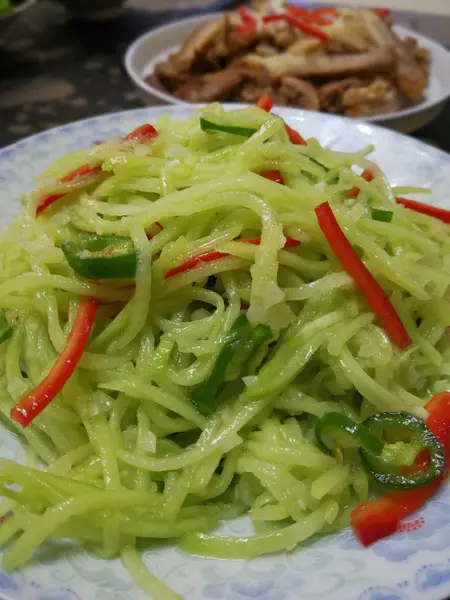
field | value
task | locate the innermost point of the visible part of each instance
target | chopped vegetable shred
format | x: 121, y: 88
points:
x: 216, y: 317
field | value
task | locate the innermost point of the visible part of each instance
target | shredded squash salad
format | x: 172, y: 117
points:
x: 212, y: 318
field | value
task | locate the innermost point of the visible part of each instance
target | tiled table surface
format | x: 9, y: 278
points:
x: 54, y: 70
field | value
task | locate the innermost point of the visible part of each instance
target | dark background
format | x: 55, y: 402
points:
x: 54, y: 69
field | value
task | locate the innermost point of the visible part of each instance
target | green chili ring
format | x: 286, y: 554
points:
x: 334, y: 422
x: 101, y: 257
x: 379, y: 468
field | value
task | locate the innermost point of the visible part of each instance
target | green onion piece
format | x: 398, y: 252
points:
x: 209, y: 126
x: 382, y: 215
x: 335, y: 425
x: 204, y: 397
x: 385, y: 469
x: 5, y: 329
x: 101, y: 257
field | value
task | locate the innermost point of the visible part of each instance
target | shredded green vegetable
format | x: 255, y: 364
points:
x: 126, y: 455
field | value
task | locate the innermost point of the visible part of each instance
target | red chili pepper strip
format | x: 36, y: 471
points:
x: 297, y: 11
x: 367, y: 284
x: 142, y: 133
x: 33, y: 403
x: 81, y: 172
x: 85, y: 171
x: 158, y: 225
x: 194, y: 261
x: 425, y: 209
x: 294, y: 136
x: 376, y: 519
x: 289, y: 243
x: 275, y: 176
x: 421, y: 462
x: 216, y: 255
x: 255, y: 241
x: 249, y: 22
x: 323, y: 16
x: 368, y: 176
x: 439, y: 419
x: 383, y: 13
x: 47, y: 201
x: 265, y: 102
x: 298, y: 23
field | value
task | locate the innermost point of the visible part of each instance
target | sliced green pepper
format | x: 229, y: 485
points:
x: 101, y: 257
x: 206, y: 125
x: 5, y: 329
x: 335, y: 425
x: 382, y: 215
x: 254, y: 340
x: 204, y: 396
x: 382, y: 467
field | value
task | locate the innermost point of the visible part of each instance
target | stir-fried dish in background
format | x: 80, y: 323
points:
x: 341, y: 61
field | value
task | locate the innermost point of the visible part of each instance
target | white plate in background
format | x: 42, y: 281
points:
x: 156, y: 45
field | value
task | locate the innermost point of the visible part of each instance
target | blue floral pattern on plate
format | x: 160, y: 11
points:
x: 411, y: 565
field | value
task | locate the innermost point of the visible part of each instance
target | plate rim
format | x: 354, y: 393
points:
x: 283, y: 111
x: 170, y: 28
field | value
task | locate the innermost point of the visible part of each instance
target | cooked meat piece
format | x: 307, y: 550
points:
x: 356, y: 97
x: 411, y: 45
x: 410, y: 77
x: 331, y: 94
x: 288, y: 91
x: 265, y: 49
x: 305, y: 45
x: 154, y: 81
x: 196, y: 44
x: 299, y: 93
x: 217, y: 86
x: 375, y: 98
x: 336, y: 48
x: 267, y: 6
x: 349, y: 31
x: 235, y: 42
x: 169, y: 76
x: 280, y: 33
x: 326, y: 67
x: 250, y: 92
x: 421, y: 55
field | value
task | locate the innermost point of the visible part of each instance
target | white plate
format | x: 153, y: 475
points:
x: 156, y: 45
x: 407, y: 566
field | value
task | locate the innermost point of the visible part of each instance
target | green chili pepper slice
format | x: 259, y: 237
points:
x: 206, y: 125
x: 204, y: 398
x: 101, y: 257
x: 385, y: 467
x: 5, y: 329
x: 382, y: 215
x: 254, y: 340
x: 336, y: 426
